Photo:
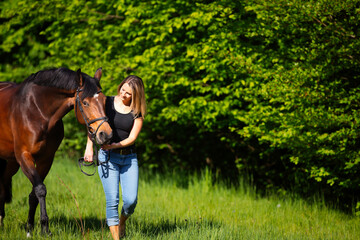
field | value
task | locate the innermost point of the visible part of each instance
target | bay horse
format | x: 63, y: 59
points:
x: 32, y: 129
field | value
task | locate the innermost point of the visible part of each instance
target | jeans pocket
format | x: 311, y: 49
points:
x: 103, y: 156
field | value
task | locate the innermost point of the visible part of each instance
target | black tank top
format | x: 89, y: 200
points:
x: 121, y: 123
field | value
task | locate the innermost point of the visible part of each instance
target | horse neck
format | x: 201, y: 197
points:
x: 51, y: 103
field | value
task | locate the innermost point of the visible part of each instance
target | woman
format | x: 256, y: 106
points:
x: 118, y: 159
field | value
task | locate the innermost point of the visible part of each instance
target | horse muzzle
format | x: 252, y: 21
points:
x: 103, y: 137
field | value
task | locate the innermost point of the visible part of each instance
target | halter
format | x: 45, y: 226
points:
x: 90, y: 130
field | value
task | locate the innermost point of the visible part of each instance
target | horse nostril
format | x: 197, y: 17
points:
x: 103, y: 136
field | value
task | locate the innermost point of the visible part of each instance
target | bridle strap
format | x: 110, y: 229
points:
x: 86, y: 120
x: 91, y: 134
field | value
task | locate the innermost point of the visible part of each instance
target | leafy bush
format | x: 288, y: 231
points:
x: 264, y: 88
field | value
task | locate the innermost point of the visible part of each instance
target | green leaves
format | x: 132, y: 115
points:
x: 268, y: 88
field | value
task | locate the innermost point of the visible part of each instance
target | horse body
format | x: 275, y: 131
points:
x: 32, y: 130
x: 6, y: 91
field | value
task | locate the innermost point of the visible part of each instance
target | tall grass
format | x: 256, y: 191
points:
x: 173, y: 207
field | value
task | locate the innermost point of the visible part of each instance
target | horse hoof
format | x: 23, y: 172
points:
x: 28, y: 235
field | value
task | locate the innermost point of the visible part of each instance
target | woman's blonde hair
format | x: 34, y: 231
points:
x: 138, y: 102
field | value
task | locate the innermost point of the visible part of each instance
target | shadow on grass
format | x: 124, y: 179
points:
x: 147, y: 228
x: 61, y: 225
x: 166, y: 226
x: 87, y: 222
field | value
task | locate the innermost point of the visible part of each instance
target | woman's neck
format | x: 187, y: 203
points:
x: 121, y: 106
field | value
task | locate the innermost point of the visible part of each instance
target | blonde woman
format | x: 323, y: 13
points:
x: 118, y: 159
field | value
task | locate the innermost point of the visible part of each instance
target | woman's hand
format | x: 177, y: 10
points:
x: 128, y: 141
x: 110, y: 146
x: 88, y: 157
x: 89, y: 153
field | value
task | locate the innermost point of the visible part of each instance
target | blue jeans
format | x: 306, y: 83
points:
x: 114, y: 169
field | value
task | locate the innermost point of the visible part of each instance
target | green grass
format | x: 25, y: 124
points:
x: 178, y: 207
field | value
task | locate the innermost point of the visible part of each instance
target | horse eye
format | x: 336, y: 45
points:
x: 86, y: 104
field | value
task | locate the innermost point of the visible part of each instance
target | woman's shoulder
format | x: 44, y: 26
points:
x: 137, y: 115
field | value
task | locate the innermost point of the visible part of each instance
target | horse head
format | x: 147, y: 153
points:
x: 90, y: 107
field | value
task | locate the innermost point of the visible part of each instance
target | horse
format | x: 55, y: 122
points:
x: 32, y: 129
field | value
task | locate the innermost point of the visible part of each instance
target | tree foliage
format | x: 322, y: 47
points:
x: 266, y: 88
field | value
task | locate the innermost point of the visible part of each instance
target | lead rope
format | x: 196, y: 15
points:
x: 82, y: 163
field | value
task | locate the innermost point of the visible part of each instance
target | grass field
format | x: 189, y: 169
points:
x: 173, y: 207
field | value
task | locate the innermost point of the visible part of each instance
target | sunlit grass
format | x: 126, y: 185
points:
x: 173, y: 207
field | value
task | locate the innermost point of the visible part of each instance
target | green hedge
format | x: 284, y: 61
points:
x: 269, y: 89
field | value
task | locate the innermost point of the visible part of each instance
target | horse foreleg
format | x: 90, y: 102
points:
x: 33, y: 203
x: 2, y: 211
x: 2, y: 203
x: 39, y: 191
x: 7, y: 170
x: 3, y: 164
x: 37, y: 196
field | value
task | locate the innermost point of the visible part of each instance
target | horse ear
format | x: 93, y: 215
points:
x: 98, y: 73
x: 80, y: 77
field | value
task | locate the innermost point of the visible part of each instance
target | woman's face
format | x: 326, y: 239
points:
x: 126, y: 93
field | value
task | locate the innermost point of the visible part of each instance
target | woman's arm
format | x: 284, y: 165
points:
x: 134, y: 133
x: 89, y: 152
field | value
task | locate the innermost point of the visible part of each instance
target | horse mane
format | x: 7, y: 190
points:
x: 64, y: 78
